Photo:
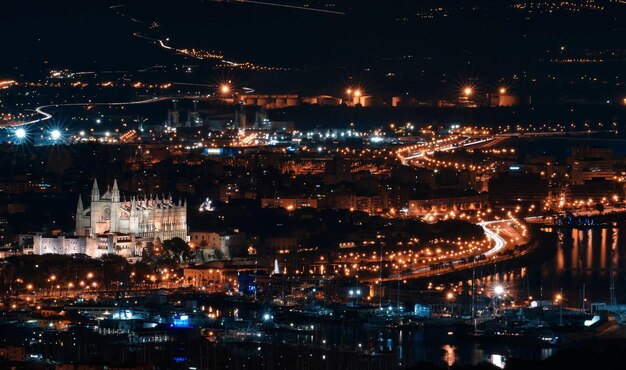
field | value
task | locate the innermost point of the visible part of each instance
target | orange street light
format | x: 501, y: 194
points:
x: 468, y: 91
x: 502, y: 90
x: 224, y: 89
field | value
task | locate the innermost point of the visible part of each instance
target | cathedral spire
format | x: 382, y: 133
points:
x: 95, y: 192
x: 115, y: 193
x: 79, y: 206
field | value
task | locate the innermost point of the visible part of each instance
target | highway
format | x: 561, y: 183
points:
x: 498, y: 242
x: 465, y: 142
x: 494, y: 230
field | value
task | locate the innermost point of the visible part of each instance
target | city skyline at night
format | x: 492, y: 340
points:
x: 319, y: 184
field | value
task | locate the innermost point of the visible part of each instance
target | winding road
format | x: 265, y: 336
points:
x: 46, y: 116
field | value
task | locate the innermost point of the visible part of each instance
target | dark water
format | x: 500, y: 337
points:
x: 438, y: 345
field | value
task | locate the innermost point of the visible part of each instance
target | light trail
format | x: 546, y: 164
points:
x: 47, y: 116
x: 461, y: 144
x: 498, y: 241
x: 293, y: 7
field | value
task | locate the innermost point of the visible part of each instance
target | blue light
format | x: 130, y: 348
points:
x: 20, y: 133
x: 180, y: 321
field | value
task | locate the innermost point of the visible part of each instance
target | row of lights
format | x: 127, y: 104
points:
x: 21, y: 134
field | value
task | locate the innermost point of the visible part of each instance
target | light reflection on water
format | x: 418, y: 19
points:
x: 449, y: 356
x: 583, y: 258
x: 498, y: 360
x: 408, y: 347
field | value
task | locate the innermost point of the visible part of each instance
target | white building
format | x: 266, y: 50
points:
x: 230, y: 244
x: 125, y: 245
x: 114, y: 226
x: 147, y: 217
x: 54, y: 244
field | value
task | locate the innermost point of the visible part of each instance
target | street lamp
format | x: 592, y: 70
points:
x: 450, y: 298
x: 20, y: 133
x: 468, y: 91
x: 559, y: 299
x: 498, y: 289
x: 55, y: 134
x: 354, y: 294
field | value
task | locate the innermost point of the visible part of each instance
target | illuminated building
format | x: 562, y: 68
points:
x: 590, y: 164
x: 423, y: 207
x: 203, y: 275
x: 288, y: 203
x: 147, y: 217
x: 229, y: 244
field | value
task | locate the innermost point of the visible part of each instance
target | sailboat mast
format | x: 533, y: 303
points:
x: 474, y: 292
x: 612, y: 281
x: 380, y: 279
x: 582, y: 309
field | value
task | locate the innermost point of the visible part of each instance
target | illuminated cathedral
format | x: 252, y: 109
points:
x: 144, y: 217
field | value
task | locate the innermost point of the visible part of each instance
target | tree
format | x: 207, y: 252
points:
x: 178, y: 248
x: 148, y: 253
x: 600, y: 207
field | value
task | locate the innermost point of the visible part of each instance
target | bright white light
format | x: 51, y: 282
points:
x: 20, y: 133
x: 55, y: 134
x: 498, y: 289
x: 266, y: 316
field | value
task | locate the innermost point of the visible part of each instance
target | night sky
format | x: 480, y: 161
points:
x: 464, y: 38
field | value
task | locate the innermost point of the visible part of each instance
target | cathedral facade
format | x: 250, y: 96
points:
x: 145, y: 217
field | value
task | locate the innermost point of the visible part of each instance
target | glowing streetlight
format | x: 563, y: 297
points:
x: 467, y: 91
x: 224, y: 89
x: 55, y: 134
x: 357, y: 93
x: 20, y: 133
x: 450, y: 295
x: 349, y: 91
x: 502, y: 90
x: 498, y: 289
x: 559, y: 299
